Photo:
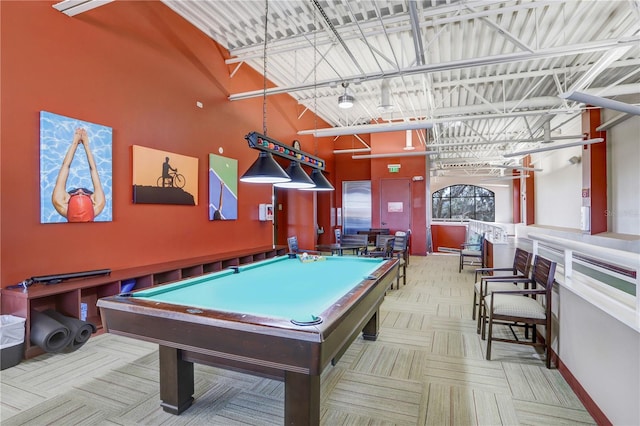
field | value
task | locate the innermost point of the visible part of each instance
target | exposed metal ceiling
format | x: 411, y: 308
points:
x: 484, y: 75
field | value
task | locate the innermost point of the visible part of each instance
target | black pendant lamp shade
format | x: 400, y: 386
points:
x: 322, y: 184
x: 299, y: 179
x: 265, y: 170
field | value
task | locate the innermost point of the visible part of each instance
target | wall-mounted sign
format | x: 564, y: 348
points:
x: 394, y: 207
x: 393, y: 168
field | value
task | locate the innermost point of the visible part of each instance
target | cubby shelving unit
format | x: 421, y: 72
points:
x: 68, y: 296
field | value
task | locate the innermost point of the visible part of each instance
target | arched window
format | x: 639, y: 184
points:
x: 464, y: 202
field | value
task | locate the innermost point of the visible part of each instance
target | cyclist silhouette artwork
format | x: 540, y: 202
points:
x: 170, y: 177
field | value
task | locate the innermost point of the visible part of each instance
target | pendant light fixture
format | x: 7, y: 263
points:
x: 299, y: 179
x: 346, y: 101
x: 265, y: 169
x: 320, y: 181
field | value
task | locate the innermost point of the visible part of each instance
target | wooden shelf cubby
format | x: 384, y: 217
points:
x: 67, y: 297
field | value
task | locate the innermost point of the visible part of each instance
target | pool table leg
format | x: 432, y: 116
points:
x: 370, y: 331
x: 176, y: 381
x: 301, y: 399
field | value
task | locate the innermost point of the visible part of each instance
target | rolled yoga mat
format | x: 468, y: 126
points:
x: 80, y: 331
x: 48, y: 333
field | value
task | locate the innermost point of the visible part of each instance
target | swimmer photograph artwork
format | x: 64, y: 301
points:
x: 162, y: 177
x: 75, y: 170
x: 223, y: 188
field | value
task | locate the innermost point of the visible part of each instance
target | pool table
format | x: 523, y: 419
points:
x: 282, y: 318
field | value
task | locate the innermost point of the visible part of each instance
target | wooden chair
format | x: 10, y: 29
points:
x: 292, y: 242
x: 473, y: 249
x: 488, y: 284
x: 523, y: 308
x: 384, y: 247
x: 356, y: 239
x: 401, y: 249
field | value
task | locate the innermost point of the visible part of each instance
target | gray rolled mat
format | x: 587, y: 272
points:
x: 48, y: 333
x: 80, y: 330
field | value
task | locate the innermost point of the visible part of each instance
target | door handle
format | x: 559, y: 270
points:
x: 383, y: 223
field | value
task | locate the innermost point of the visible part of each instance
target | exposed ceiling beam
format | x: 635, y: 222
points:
x: 75, y: 7
x: 447, y: 66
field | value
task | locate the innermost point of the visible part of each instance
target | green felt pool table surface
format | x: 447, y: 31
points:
x: 280, y: 318
x: 281, y: 287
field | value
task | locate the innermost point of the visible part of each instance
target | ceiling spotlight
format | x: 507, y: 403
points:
x: 345, y: 101
x: 575, y: 159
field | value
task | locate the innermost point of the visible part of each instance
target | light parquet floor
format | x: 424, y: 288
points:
x: 427, y: 367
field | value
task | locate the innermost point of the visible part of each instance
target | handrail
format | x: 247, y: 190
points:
x: 494, y: 232
x: 618, y: 264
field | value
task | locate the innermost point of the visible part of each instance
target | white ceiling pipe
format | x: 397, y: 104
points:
x: 601, y: 102
x: 554, y: 147
x: 368, y: 128
x: 385, y: 97
x: 394, y: 154
x: 351, y: 151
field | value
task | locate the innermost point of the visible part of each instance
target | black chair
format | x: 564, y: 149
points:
x: 384, y: 247
x: 292, y: 242
x: 523, y: 308
x: 360, y: 241
x: 401, y: 249
x: 487, y: 284
x: 474, y: 249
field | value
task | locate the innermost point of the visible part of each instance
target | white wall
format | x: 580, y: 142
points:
x: 623, y: 169
x: 558, y: 188
x: 504, y: 203
x: 603, y: 355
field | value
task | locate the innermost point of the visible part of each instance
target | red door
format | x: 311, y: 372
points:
x: 395, y: 204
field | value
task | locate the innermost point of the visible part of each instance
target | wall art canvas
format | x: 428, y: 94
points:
x: 75, y: 170
x: 161, y: 177
x: 223, y: 188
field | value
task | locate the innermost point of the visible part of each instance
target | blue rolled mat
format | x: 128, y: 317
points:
x: 47, y: 333
x: 80, y: 331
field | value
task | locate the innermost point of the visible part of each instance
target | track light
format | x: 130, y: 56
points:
x: 575, y: 160
x: 346, y: 100
x: 299, y: 179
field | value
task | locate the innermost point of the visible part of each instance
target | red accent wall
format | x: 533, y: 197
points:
x: 449, y: 236
x: 139, y: 68
x: 517, y: 197
x: 375, y: 169
x: 530, y: 202
x: 598, y: 170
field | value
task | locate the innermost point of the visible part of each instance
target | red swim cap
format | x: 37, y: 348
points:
x: 80, y: 208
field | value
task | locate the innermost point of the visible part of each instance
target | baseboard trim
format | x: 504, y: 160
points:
x: 589, y: 404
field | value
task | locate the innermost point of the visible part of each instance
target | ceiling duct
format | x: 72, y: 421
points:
x: 385, y: 97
